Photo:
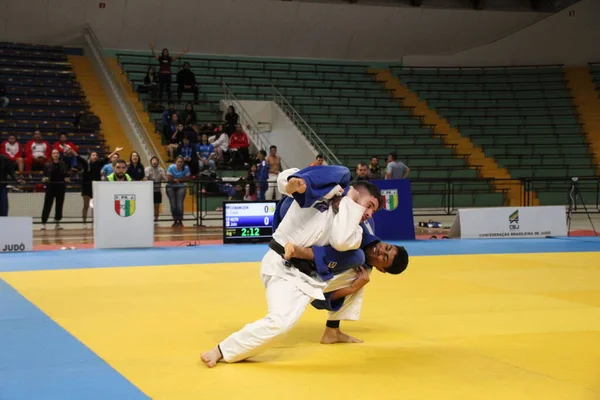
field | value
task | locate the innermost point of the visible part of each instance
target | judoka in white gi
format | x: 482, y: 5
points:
x: 319, y: 216
x: 349, y: 272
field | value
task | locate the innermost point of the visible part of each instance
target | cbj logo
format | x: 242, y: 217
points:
x: 513, y: 220
x: 14, y: 247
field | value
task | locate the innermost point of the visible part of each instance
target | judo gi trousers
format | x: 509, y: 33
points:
x: 286, y: 304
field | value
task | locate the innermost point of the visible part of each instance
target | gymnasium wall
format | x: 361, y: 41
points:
x: 264, y: 28
x: 570, y: 37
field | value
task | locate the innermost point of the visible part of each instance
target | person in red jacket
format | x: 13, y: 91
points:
x: 239, y: 145
x: 64, y: 143
x: 37, y: 151
x: 13, y: 150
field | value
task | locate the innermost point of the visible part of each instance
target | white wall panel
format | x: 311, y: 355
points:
x: 142, y: 18
x: 108, y: 22
x: 27, y: 20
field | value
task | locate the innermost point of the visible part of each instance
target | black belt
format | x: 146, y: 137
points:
x: 307, y: 267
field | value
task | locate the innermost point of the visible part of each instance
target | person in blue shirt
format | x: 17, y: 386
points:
x: 262, y: 175
x: 206, y: 154
x: 188, y: 152
x: 177, y: 176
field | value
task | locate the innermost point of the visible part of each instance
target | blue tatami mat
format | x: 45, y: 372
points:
x: 210, y: 254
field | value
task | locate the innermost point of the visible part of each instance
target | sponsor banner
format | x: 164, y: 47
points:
x: 16, y: 234
x: 123, y: 214
x: 512, y: 222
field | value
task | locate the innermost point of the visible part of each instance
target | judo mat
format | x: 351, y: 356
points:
x: 469, y: 319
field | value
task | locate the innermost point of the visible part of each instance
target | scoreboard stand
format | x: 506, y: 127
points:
x: 248, y: 221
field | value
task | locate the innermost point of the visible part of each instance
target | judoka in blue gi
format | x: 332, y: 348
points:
x: 326, y: 211
x: 346, y: 274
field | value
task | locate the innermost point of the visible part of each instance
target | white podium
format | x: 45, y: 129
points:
x: 123, y: 214
x: 16, y: 234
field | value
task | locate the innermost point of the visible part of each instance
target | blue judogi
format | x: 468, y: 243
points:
x: 262, y: 176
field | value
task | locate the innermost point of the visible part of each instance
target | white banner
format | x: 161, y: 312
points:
x: 123, y: 214
x: 512, y: 222
x: 16, y: 234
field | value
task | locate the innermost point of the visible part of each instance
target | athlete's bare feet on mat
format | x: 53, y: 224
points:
x: 334, y: 335
x: 212, y: 357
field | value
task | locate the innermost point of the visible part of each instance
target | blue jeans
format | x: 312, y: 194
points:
x: 3, y: 201
x: 211, y: 165
x: 176, y: 196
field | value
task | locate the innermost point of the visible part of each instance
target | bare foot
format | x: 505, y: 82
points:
x: 212, y: 357
x: 289, y: 250
x: 331, y: 336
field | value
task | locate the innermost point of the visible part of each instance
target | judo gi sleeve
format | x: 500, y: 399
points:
x: 329, y: 261
x: 322, y: 183
x: 346, y: 233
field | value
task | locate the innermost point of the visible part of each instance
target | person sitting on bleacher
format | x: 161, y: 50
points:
x: 174, y: 141
x: 220, y: 141
x: 13, y: 150
x: 187, y: 151
x: 150, y: 84
x: 188, y: 116
x: 206, y: 154
x: 3, y: 99
x: 186, y: 82
x: 231, y: 120
x: 37, y: 152
x: 63, y: 143
x: 239, y: 145
x: 166, y: 115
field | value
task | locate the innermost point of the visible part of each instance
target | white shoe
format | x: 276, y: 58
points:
x: 43, y: 228
x: 58, y: 227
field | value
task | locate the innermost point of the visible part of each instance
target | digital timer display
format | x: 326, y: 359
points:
x: 248, y: 221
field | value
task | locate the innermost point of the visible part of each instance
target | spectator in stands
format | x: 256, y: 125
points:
x: 156, y: 174
x: 239, y: 145
x: 92, y: 172
x: 177, y: 175
x: 374, y: 169
x: 56, y: 174
x: 362, y: 172
x: 136, y: 169
x: 274, y: 162
x: 3, y: 99
x: 186, y: 82
x: 69, y: 157
x: 187, y: 151
x: 174, y: 140
x: 7, y: 169
x: 318, y: 160
x: 37, y: 152
x: 188, y: 116
x: 108, y: 168
x: 164, y: 70
x: 206, y: 154
x: 231, y: 120
x: 64, y: 143
x: 251, y: 184
x: 396, y: 169
x: 119, y: 174
x: 170, y: 128
x: 262, y: 175
x: 13, y: 150
x: 150, y: 84
x: 166, y: 115
x: 220, y: 141
x: 192, y: 133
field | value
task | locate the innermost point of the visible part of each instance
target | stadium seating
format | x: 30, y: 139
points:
x: 523, y: 117
x: 351, y: 112
x: 44, y: 94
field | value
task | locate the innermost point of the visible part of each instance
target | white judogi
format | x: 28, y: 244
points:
x: 288, y: 290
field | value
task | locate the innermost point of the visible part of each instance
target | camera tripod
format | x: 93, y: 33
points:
x: 574, y: 193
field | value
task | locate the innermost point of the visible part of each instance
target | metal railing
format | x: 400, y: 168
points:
x: 304, y: 127
x: 252, y: 128
x: 430, y: 197
x: 122, y: 96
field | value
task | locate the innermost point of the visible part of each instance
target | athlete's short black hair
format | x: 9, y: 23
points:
x: 400, y: 262
x: 371, y: 188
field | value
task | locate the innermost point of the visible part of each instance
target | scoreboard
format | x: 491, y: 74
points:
x: 248, y: 221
